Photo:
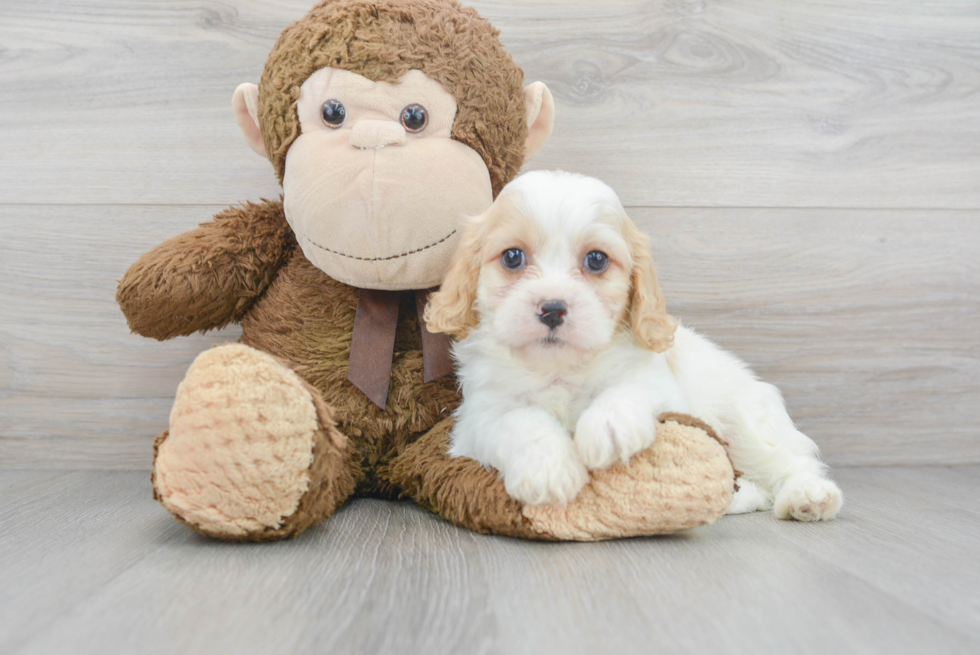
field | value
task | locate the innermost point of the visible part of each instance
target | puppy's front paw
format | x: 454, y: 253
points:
x: 808, y: 498
x: 545, y: 473
x: 610, y: 431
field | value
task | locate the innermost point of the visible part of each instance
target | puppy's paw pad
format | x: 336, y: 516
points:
x: 808, y: 499
x: 546, y: 477
x: 607, y: 434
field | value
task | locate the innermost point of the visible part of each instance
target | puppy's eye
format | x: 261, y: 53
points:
x: 414, y: 118
x: 596, y: 261
x: 333, y: 113
x: 513, y: 259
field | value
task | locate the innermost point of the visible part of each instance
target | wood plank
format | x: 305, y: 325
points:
x: 108, y: 571
x: 911, y: 532
x: 78, y: 389
x: 865, y: 319
x: 840, y: 103
x: 63, y: 538
x: 20, y: 483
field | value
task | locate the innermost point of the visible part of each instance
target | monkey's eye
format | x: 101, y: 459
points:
x: 513, y: 259
x: 596, y: 261
x: 334, y: 113
x: 414, y: 118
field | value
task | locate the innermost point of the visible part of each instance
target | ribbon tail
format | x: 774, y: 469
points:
x: 373, y: 343
x: 436, y: 360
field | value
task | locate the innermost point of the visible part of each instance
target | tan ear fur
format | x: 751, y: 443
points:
x: 540, y: 117
x: 450, y: 309
x: 245, y: 104
x: 652, y: 327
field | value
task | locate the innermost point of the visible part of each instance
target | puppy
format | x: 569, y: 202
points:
x: 567, y: 356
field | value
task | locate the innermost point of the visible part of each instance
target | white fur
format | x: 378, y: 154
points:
x: 543, y: 412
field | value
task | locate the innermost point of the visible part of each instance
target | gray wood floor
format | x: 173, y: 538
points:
x: 90, y: 564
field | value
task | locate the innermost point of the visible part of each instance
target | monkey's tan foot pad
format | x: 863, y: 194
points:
x: 684, y: 480
x: 252, y: 452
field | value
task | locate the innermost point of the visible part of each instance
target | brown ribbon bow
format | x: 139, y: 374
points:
x: 373, y: 343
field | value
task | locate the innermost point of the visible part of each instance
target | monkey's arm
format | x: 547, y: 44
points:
x: 208, y: 277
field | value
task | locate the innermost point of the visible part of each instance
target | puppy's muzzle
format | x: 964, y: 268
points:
x: 553, y: 313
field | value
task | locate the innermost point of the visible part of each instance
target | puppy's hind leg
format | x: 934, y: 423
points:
x: 770, y: 452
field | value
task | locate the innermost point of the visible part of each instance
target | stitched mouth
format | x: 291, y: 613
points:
x: 380, y: 259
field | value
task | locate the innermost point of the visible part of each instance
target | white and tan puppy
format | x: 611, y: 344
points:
x: 567, y: 356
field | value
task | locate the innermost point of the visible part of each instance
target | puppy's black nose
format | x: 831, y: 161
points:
x: 553, y: 313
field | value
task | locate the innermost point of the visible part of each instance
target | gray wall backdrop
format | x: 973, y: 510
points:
x: 809, y: 173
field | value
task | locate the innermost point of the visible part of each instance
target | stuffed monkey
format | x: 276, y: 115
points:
x: 386, y: 121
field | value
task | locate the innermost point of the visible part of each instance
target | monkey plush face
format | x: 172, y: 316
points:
x: 388, y: 122
x: 375, y: 186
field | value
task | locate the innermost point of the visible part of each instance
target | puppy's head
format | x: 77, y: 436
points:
x: 555, y: 264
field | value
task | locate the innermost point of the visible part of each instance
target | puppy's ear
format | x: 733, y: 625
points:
x: 652, y: 327
x: 450, y: 309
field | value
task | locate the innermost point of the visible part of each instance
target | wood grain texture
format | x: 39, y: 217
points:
x: 864, y: 318
x: 841, y: 103
x: 76, y: 387
x: 88, y: 559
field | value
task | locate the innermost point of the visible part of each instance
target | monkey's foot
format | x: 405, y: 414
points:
x: 252, y: 452
x: 683, y: 480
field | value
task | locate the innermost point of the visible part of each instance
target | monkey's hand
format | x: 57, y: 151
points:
x: 208, y: 277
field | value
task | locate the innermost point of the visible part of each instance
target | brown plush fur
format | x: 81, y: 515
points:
x: 333, y: 475
x: 306, y: 318
x: 303, y: 317
x: 459, y: 489
x: 208, y: 277
x: 384, y: 39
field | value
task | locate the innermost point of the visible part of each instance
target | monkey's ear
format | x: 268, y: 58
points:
x: 245, y: 104
x: 540, y: 117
